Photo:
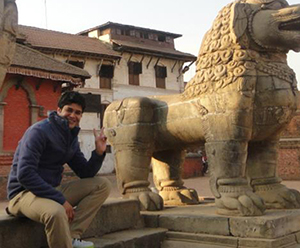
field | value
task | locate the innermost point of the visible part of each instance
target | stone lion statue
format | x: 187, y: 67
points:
x: 241, y: 98
x: 8, y: 32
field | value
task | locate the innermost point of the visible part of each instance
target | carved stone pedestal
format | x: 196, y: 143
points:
x: 199, y: 226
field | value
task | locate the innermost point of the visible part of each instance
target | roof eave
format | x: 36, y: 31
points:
x: 55, y: 76
x: 149, y: 52
x: 73, y: 52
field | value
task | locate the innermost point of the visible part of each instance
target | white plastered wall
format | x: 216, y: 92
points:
x: 122, y: 89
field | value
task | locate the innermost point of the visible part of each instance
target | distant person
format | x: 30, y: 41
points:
x: 34, y: 184
x: 205, y: 164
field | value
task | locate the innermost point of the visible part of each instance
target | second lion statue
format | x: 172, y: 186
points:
x: 241, y: 98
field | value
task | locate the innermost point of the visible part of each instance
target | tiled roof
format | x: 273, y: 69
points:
x: 110, y: 24
x: 123, y: 45
x: 30, y: 62
x: 48, y: 39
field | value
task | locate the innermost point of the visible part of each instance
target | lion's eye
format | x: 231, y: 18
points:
x: 275, y: 5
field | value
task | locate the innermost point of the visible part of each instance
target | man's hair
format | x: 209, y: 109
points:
x: 70, y: 97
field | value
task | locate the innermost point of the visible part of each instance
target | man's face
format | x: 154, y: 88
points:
x: 73, y: 113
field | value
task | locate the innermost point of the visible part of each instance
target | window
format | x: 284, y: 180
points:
x: 106, y: 73
x: 92, y: 103
x: 79, y: 64
x: 160, y: 75
x: 145, y: 35
x: 127, y: 32
x: 134, y: 71
x: 161, y: 38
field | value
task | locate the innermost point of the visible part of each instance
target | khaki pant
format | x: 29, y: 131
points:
x: 86, y: 194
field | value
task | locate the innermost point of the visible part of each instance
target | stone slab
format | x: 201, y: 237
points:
x: 218, y: 240
x: 185, y: 244
x: 194, y: 219
x: 144, y: 237
x: 115, y: 215
x: 203, y: 219
x: 191, y: 240
x: 288, y: 241
x: 21, y: 233
x: 274, y: 224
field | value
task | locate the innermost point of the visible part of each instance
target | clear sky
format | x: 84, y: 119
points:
x: 191, y: 18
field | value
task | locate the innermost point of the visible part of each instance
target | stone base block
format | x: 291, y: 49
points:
x: 201, y: 225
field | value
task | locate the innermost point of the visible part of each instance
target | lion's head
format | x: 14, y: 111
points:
x: 246, y: 36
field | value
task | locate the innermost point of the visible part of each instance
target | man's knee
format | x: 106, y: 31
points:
x: 57, y: 213
x: 103, y: 185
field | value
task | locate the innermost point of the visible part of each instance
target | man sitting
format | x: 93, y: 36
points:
x: 34, y: 188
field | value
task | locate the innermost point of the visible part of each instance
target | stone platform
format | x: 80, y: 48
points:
x: 198, y: 226
x: 120, y: 224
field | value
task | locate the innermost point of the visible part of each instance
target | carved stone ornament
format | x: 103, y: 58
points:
x: 242, y: 96
x: 8, y: 33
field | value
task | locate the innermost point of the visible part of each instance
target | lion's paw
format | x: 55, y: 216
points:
x: 179, y: 196
x: 244, y: 204
x: 148, y: 200
x: 278, y: 196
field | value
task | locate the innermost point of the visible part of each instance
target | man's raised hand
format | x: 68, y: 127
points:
x: 100, y: 141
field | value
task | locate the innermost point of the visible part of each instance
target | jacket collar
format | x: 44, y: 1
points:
x: 63, y: 124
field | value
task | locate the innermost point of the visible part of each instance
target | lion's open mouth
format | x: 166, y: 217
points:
x: 293, y: 25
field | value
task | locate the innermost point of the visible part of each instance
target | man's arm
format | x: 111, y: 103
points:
x: 84, y: 168
x: 31, y: 148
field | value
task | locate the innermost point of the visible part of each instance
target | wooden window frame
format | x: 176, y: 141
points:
x: 106, y: 73
x: 160, y: 76
x: 92, y: 103
x: 134, y: 71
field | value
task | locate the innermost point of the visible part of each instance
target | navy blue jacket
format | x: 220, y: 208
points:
x: 43, y: 150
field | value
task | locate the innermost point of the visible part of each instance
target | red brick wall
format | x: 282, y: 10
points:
x: 289, y: 163
x: 45, y: 95
x: 289, y: 151
x: 16, y: 117
x: 17, y: 111
x: 192, y: 167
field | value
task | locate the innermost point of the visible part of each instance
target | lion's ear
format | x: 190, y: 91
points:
x: 239, y: 20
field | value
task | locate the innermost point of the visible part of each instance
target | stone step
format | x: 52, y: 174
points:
x: 115, y: 215
x: 198, y: 225
x: 203, y: 219
x: 187, y: 244
x: 192, y: 240
x: 138, y: 238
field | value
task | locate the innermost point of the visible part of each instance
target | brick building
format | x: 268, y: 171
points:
x: 123, y: 61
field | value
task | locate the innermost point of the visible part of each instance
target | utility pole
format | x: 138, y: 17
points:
x: 46, y: 18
